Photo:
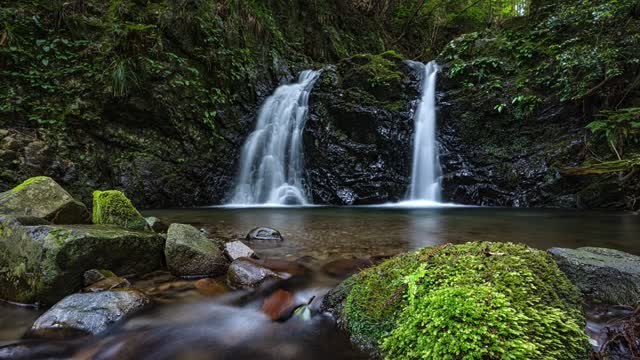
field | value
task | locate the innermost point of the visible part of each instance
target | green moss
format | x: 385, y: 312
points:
x: 473, y: 301
x: 113, y: 207
x: 29, y: 182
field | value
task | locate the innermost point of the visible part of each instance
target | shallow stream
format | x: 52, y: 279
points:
x: 192, y: 321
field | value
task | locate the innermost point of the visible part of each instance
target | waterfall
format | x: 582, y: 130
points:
x: 425, y: 183
x: 272, y: 163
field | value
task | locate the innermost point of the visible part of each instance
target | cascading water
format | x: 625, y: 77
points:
x: 272, y: 164
x: 425, y: 184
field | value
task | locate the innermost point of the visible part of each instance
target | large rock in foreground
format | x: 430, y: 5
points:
x: 603, y: 274
x: 190, y: 253
x: 42, y: 197
x: 478, y: 301
x: 88, y: 314
x: 44, y: 263
x: 112, y: 207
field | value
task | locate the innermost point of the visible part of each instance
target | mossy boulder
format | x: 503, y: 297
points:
x: 479, y: 300
x: 112, y: 207
x: 605, y: 275
x: 44, y: 198
x: 190, y: 253
x: 41, y: 262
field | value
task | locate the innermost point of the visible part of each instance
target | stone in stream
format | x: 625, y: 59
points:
x: 190, y: 253
x: 92, y: 276
x: 88, y: 313
x: 607, y: 275
x: 157, y: 225
x: 237, y: 249
x: 264, y: 236
x: 279, y: 305
x: 43, y: 263
x: 42, y: 197
x: 112, y: 207
x: 246, y: 273
x: 110, y: 283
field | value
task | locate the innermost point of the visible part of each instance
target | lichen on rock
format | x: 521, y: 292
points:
x: 112, y: 207
x: 40, y: 262
x: 478, y: 301
x: 42, y: 197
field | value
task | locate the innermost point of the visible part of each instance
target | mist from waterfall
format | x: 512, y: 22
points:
x: 272, y: 161
x: 425, y: 174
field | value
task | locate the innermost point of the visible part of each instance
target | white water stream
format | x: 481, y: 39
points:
x: 272, y: 162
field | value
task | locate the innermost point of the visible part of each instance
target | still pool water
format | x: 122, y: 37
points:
x: 329, y: 232
x: 197, y: 329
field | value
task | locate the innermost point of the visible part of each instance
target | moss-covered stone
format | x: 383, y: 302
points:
x: 473, y: 301
x: 112, y: 207
x: 190, y: 253
x: 42, y: 197
x: 43, y: 263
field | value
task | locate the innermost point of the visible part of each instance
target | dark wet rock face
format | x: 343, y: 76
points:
x: 357, y: 139
x: 64, y: 252
x: 189, y: 253
x: 87, y: 314
x: 605, y: 275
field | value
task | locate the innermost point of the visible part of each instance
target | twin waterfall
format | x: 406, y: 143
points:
x: 272, y: 163
x: 425, y: 184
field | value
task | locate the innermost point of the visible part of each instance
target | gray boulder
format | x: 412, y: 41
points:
x: 607, y: 275
x: 42, y: 197
x: 237, y: 249
x: 245, y: 274
x: 88, y: 314
x: 44, y: 263
x: 190, y: 253
x: 264, y: 236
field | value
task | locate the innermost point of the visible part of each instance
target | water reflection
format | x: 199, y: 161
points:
x: 326, y: 232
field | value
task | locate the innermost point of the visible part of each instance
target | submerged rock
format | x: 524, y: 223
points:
x: 42, y: 197
x: 44, y: 263
x: 92, y: 276
x: 264, y: 235
x: 87, y: 314
x: 190, y: 253
x: 237, y: 249
x: 245, y: 273
x: 109, y: 283
x: 112, y: 207
x: 607, y: 275
x: 476, y: 300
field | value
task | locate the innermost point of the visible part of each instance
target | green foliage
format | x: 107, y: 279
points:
x: 617, y: 128
x: 473, y: 301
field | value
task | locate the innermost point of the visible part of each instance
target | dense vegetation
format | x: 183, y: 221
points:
x: 471, y: 301
x: 140, y: 95
x: 571, y: 54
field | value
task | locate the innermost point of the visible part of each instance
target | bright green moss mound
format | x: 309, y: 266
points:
x: 114, y: 208
x: 479, y: 300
